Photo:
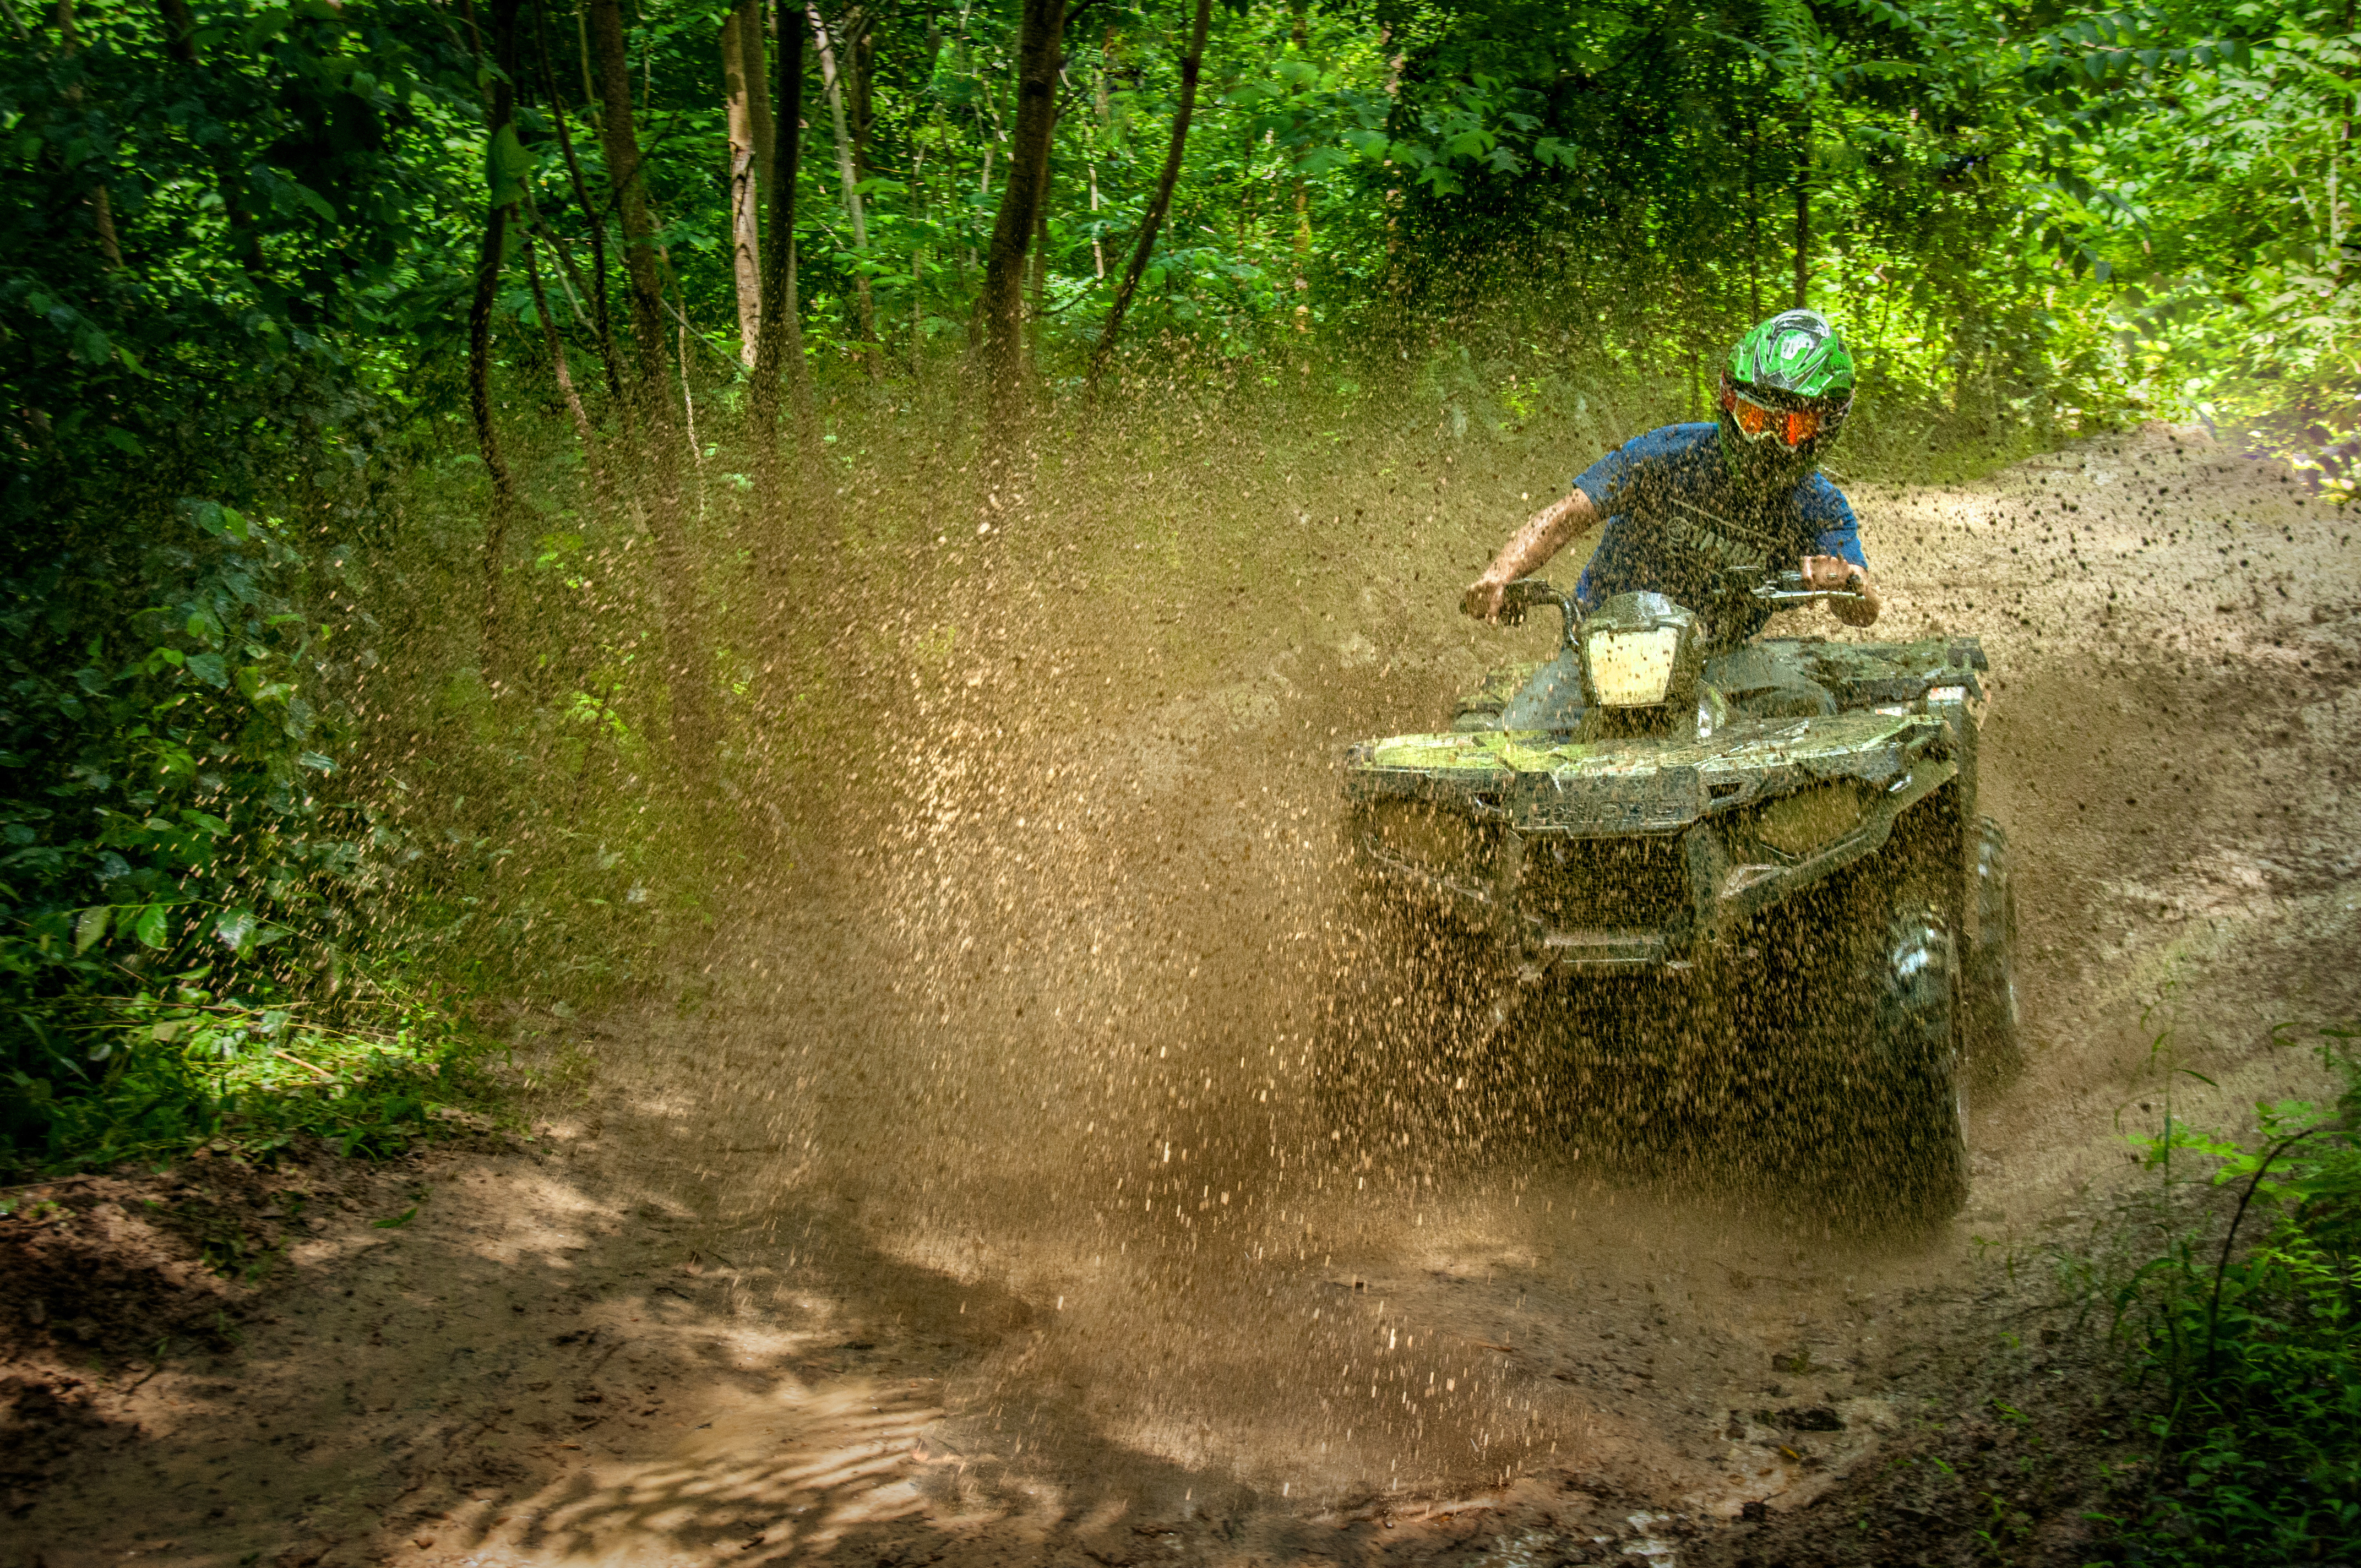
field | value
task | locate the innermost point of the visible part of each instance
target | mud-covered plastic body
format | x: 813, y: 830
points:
x: 1636, y: 850
x: 1793, y: 816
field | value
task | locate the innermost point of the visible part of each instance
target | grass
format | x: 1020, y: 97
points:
x: 2257, y: 1439
x: 181, y: 1067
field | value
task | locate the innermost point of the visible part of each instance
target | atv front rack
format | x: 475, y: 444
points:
x: 1637, y: 856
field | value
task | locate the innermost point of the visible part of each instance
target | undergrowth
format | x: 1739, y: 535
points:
x: 2253, y: 1337
x: 175, y: 1065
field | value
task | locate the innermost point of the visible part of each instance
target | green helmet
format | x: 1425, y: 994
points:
x: 1785, y: 395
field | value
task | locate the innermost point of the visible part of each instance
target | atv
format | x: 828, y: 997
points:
x: 1791, y: 821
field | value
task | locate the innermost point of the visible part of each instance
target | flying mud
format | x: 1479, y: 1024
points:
x: 988, y: 1203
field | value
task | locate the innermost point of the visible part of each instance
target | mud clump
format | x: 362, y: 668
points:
x: 2037, y: 1473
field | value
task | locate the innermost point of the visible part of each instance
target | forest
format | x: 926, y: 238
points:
x: 353, y: 350
x: 482, y: 477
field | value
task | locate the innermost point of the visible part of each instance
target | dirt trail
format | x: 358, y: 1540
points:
x: 984, y: 1210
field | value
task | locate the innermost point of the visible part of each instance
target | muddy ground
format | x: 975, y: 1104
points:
x: 981, y: 1204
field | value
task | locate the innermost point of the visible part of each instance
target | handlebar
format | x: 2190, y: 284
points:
x: 1788, y: 587
x: 1779, y: 590
x: 1525, y: 593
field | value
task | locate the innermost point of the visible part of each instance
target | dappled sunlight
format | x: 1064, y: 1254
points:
x: 789, y: 1472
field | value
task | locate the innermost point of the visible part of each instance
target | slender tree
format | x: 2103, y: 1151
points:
x: 617, y: 130
x: 102, y: 204
x: 779, y: 353
x: 745, y: 84
x: 832, y: 83
x: 1000, y: 308
x: 593, y: 216
x: 1189, y: 66
x: 1300, y: 13
x: 505, y: 166
x: 1803, y: 209
x: 244, y: 240
x: 564, y: 375
x: 695, y: 736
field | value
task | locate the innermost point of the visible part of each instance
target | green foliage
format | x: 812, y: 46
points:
x: 215, y: 238
x: 179, y: 1066
x: 2260, y: 1442
x: 242, y: 730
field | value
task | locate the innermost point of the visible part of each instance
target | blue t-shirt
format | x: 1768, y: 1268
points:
x: 1676, y: 522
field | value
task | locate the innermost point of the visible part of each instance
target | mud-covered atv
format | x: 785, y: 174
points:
x: 1792, y: 822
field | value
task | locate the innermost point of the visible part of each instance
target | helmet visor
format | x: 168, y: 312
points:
x: 1792, y: 426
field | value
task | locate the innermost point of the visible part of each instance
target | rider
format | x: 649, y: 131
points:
x: 1686, y: 502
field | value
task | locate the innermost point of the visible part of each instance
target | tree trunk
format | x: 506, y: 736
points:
x: 694, y: 732
x: 779, y: 354
x: 593, y: 216
x: 1038, y: 317
x: 860, y: 77
x: 101, y: 205
x: 618, y: 131
x: 1157, y: 209
x: 744, y: 85
x: 180, y: 43
x: 599, y: 483
x: 1000, y: 309
x: 1753, y: 222
x: 755, y: 29
x: 1803, y: 210
x: 504, y: 194
x: 832, y: 83
x: 1301, y: 35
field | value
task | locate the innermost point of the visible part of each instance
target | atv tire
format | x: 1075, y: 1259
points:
x: 1991, y: 982
x: 1874, y: 1085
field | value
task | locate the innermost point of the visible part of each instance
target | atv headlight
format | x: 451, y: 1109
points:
x: 1632, y: 669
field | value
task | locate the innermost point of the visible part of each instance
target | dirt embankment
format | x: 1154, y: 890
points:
x: 984, y: 1209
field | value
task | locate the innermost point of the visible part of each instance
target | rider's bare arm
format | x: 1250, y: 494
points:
x: 1833, y: 573
x: 1527, y: 550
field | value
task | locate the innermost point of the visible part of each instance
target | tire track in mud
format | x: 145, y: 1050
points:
x: 987, y: 1210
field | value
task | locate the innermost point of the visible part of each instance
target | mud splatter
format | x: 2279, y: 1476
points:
x: 986, y: 1209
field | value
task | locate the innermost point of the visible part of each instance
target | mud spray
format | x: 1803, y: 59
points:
x: 989, y: 1201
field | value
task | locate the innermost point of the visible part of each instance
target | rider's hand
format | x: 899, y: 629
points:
x: 1483, y: 598
x: 1829, y: 573
x: 1834, y: 574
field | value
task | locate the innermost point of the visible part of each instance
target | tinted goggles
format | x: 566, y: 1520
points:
x: 1793, y: 427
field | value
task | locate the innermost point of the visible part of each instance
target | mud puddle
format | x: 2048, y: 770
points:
x: 987, y: 1208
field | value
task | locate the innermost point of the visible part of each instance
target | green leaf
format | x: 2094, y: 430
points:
x: 507, y: 167
x: 91, y: 929
x: 150, y: 926
x: 235, y: 927
x: 313, y: 200
x: 396, y: 1222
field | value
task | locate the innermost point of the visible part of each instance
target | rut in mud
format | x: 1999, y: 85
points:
x: 984, y: 1206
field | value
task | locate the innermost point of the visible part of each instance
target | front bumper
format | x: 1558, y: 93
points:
x: 1624, y: 861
